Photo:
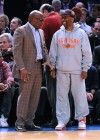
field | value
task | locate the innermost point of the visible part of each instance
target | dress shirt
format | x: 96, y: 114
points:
x: 86, y: 28
x: 37, y: 42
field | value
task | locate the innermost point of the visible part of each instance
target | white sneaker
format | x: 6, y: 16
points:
x: 60, y: 127
x: 82, y: 124
x: 3, y: 122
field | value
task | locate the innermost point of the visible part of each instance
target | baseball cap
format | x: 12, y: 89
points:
x: 68, y: 12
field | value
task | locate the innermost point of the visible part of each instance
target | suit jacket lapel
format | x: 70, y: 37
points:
x: 44, y: 49
x: 29, y: 31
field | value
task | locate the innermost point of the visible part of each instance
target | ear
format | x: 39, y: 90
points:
x: 45, y: 11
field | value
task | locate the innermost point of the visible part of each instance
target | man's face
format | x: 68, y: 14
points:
x: 96, y: 29
x: 95, y: 12
x: 37, y: 21
x: 67, y: 20
x: 83, y: 16
x: 4, y: 43
x: 14, y: 24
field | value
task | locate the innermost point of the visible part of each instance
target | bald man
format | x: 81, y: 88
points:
x: 29, y: 54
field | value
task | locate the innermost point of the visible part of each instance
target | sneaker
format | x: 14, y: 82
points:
x: 82, y: 124
x: 60, y: 127
x: 3, y: 121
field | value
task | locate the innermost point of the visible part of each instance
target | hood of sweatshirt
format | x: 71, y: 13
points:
x: 76, y: 26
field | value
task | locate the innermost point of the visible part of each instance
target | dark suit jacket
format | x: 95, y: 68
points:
x: 96, y: 56
x: 24, y: 49
x: 92, y: 79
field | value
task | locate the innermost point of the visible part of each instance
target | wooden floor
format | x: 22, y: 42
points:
x: 51, y: 135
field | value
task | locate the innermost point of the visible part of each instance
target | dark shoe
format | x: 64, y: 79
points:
x: 50, y: 125
x: 33, y: 127
x: 20, y: 128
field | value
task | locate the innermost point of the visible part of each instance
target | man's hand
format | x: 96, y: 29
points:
x: 53, y: 74
x: 24, y: 75
x: 89, y: 96
x: 84, y: 75
x: 48, y: 64
x: 2, y: 86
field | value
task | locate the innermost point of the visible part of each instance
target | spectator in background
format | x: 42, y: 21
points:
x: 95, y: 11
x: 94, y: 37
x: 96, y: 28
x: 6, y: 46
x: 14, y: 24
x: 51, y: 18
x: 6, y: 49
x: 4, y: 22
x: 82, y: 22
x: 6, y: 80
x: 96, y: 61
x: 56, y: 5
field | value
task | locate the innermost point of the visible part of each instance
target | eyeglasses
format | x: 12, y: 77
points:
x: 40, y: 19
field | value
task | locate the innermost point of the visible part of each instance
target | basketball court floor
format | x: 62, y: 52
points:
x: 91, y: 133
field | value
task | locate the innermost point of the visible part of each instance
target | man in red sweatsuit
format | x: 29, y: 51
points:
x: 52, y: 23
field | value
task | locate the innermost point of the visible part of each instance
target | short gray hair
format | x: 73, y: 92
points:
x: 8, y: 35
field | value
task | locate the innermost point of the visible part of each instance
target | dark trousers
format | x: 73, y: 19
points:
x: 96, y: 103
x: 5, y: 103
x: 51, y: 91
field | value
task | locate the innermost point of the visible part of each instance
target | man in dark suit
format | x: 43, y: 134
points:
x: 29, y: 52
x: 96, y: 61
x: 94, y: 37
